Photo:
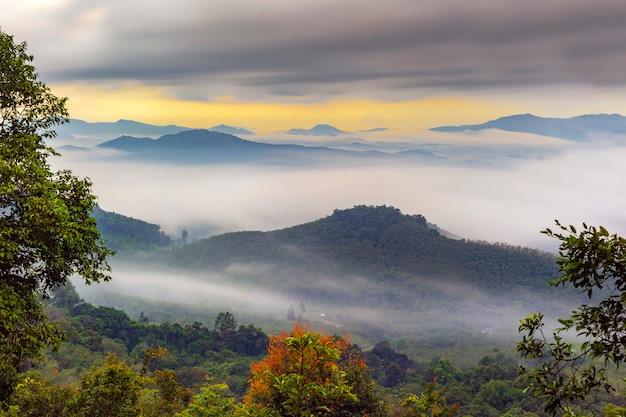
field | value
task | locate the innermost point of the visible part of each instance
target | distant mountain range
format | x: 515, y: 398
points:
x: 579, y: 128
x: 79, y: 128
x: 206, y: 146
x: 221, y: 143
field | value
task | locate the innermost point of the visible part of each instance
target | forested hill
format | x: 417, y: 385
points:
x: 395, y: 252
x: 122, y: 233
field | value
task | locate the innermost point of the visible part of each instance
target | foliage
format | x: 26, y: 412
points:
x: 111, y: 390
x: 168, y: 396
x: 193, y: 351
x: 389, y: 366
x: 211, y: 401
x: 123, y: 233
x: 37, y: 397
x: 402, y: 259
x: 594, y: 262
x: 225, y: 324
x: 303, y: 375
x: 46, y: 229
x: 24, y: 332
x: 431, y: 403
x: 488, y: 389
x: 47, y: 233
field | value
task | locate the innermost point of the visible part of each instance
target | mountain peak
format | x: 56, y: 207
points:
x: 317, y: 130
x: 222, y: 128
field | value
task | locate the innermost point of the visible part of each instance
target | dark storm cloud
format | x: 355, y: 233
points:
x: 322, y: 47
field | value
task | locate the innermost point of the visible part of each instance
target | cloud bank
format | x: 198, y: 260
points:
x: 320, y: 49
x: 498, y: 193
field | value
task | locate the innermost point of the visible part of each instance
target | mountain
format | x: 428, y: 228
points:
x: 128, y: 144
x: 203, y: 146
x: 231, y: 130
x: 317, y: 130
x: 78, y: 128
x: 579, y: 128
x: 377, y: 257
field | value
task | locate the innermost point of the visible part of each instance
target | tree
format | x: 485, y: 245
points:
x: 431, y: 403
x: 594, y: 262
x: 225, y: 324
x: 111, y: 390
x: 210, y: 402
x: 24, y: 333
x: 38, y: 397
x: 307, y: 374
x: 166, y: 397
x: 47, y: 233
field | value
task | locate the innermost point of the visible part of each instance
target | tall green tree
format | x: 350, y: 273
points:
x: 225, y: 324
x: 572, y: 371
x: 47, y: 232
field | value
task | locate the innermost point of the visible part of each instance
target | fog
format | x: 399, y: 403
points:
x: 474, y: 187
x: 493, y: 186
x: 457, y: 304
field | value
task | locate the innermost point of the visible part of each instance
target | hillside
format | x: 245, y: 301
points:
x: 123, y: 233
x: 376, y: 257
x: 577, y: 128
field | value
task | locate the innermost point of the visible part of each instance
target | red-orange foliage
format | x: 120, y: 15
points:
x: 316, y: 360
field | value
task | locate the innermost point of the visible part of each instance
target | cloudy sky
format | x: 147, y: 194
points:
x: 275, y: 64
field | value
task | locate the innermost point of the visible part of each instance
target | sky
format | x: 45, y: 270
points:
x: 355, y: 64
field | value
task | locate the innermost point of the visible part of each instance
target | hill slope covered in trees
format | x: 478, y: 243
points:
x: 123, y: 233
x: 375, y: 257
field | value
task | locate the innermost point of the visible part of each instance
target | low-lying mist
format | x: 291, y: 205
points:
x: 477, y: 187
x: 353, y: 307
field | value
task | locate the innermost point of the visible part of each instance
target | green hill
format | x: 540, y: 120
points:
x: 375, y: 257
x: 122, y: 233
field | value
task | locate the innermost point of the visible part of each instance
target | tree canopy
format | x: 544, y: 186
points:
x: 572, y: 369
x: 307, y: 373
x: 47, y: 232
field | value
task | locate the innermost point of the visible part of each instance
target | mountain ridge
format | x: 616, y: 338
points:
x: 202, y: 145
x: 577, y: 128
x: 123, y: 127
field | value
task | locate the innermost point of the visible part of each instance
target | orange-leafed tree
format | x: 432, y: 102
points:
x: 311, y: 374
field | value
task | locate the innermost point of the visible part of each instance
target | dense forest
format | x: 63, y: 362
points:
x: 375, y: 257
x: 174, y: 366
